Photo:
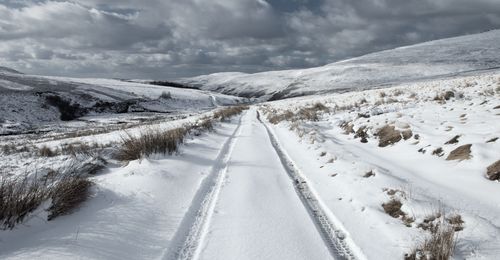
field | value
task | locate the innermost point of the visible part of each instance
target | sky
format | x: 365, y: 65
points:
x: 168, y: 39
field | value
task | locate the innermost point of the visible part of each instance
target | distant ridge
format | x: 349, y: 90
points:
x: 434, y: 59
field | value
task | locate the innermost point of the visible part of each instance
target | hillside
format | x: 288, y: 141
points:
x: 31, y: 101
x: 441, y: 58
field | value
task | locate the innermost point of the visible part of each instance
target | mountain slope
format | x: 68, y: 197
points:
x: 441, y: 58
x: 32, y: 100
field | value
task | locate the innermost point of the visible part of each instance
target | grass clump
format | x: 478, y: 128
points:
x: 226, y: 113
x: 21, y: 195
x: 438, y: 245
x: 45, y: 151
x: 67, y: 194
x: 155, y: 141
x: 393, y: 208
x: 151, y: 141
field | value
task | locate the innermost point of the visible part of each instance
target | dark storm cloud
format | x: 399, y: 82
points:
x: 174, y: 38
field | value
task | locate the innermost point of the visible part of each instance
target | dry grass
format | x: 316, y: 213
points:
x: 67, y: 194
x: 309, y: 113
x: 155, y: 141
x: 393, y: 208
x: 150, y: 141
x: 45, y: 151
x: 275, y: 118
x: 438, y: 245
x: 226, y: 113
x: 21, y: 195
x: 388, y: 135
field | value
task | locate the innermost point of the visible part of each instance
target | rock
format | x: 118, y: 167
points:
x: 438, y: 152
x: 448, y: 94
x: 453, y: 140
x: 388, y: 135
x: 407, y: 134
x: 460, y: 153
x: 493, y: 171
x: 362, y: 133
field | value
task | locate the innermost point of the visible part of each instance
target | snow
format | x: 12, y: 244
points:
x: 441, y: 58
x: 259, y: 215
x: 335, y: 163
x: 298, y: 189
x: 133, y: 214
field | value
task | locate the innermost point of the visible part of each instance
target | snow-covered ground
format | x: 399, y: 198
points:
x: 413, y: 171
x: 302, y: 178
x: 298, y: 189
x: 441, y: 58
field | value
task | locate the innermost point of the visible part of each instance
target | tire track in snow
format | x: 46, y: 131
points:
x: 187, y: 240
x: 341, y: 246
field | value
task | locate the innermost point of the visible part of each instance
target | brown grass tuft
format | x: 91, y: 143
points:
x: 67, y: 194
x: 46, y: 152
x: 393, y: 208
x: 150, y: 141
x: 439, y: 245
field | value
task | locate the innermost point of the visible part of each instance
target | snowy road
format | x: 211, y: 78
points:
x: 258, y: 214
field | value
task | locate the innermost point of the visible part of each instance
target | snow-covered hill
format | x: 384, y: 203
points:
x: 29, y: 100
x: 440, y: 58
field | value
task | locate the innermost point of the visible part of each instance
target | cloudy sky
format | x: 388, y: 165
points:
x: 165, y: 39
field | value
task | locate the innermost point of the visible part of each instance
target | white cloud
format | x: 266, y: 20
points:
x: 169, y: 38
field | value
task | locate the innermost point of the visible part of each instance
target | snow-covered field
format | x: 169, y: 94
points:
x: 366, y: 174
x: 354, y: 178
x: 295, y: 189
